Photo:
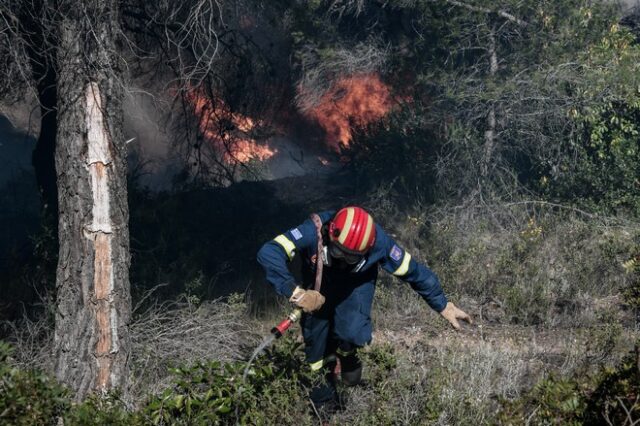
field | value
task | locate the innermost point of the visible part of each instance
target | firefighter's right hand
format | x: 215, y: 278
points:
x: 452, y: 314
x: 307, y: 300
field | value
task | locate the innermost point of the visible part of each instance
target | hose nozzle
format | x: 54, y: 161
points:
x: 281, y: 328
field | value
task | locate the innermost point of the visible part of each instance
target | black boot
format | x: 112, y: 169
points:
x: 351, y: 366
x: 324, y: 394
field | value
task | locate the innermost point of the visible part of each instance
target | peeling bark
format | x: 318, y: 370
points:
x: 93, y: 295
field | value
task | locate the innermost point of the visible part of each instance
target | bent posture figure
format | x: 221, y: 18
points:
x: 337, y: 320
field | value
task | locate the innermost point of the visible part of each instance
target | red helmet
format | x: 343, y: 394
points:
x: 353, y: 230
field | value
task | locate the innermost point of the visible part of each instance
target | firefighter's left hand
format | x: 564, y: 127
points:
x: 452, y: 314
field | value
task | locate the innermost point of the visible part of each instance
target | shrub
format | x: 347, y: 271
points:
x: 610, y: 397
x: 537, y: 264
x: 632, y: 268
x: 29, y: 397
x: 107, y: 410
x: 605, y: 137
x: 182, y: 332
x: 274, y: 391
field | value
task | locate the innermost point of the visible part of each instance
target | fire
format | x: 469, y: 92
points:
x: 229, y: 132
x: 354, y: 100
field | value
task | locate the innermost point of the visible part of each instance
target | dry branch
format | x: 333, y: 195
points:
x: 180, y: 332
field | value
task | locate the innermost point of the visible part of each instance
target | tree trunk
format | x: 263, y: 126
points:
x: 490, y: 132
x: 93, y: 296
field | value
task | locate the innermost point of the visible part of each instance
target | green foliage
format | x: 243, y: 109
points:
x: 616, y: 397
x: 555, y: 401
x: 108, y: 410
x: 605, y: 167
x: 387, y: 384
x: 565, y: 97
x: 216, y: 393
x: 380, y: 361
x: 274, y: 392
x: 527, y: 266
x: 29, y: 397
x: 611, y: 397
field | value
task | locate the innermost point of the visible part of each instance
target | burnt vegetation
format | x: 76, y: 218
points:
x: 498, y: 141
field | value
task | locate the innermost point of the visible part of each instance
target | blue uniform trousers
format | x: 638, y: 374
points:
x: 344, y: 319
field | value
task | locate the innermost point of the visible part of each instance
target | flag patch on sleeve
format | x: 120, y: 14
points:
x: 396, y: 253
x: 296, y: 233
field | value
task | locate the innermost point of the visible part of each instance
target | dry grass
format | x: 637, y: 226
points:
x: 182, y: 333
x: 32, y: 340
x: 543, y: 288
x: 452, y: 378
x: 520, y: 262
x: 164, y: 335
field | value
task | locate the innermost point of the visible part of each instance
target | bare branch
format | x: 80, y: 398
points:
x: 502, y: 13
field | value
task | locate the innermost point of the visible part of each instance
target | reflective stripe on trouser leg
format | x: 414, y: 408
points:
x: 346, y: 351
x: 315, y: 366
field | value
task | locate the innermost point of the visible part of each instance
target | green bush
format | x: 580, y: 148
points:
x: 551, y: 401
x: 380, y: 361
x: 539, y: 267
x: 609, y: 397
x: 29, y: 397
x: 107, y: 410
x: 600, y: 162
x: 274, y: 392
x: 632, y: 268
x: 617, y: 396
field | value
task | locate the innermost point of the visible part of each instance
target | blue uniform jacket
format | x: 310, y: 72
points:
x: 275, y: 255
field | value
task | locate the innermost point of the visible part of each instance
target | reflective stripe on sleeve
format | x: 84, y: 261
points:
x: 286, y: 244
x: 404, y: 266
x: 315, y: 366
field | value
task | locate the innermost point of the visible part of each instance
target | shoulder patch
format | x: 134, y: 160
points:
x: 295, y: 232
x: 396, y: 253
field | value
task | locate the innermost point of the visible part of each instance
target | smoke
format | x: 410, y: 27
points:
x: 153, y: 158
x: 294, y: 158
x: 160, y: 148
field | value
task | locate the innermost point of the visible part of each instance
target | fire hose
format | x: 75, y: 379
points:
x: 295, y: 315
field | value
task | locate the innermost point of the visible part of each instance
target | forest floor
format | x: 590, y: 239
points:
x: 545, y: 290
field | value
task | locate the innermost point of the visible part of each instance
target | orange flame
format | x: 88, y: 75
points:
x: 354, y: 100
x: 229, y: 132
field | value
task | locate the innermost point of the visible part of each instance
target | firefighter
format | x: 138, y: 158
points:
x: 337, y: 320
